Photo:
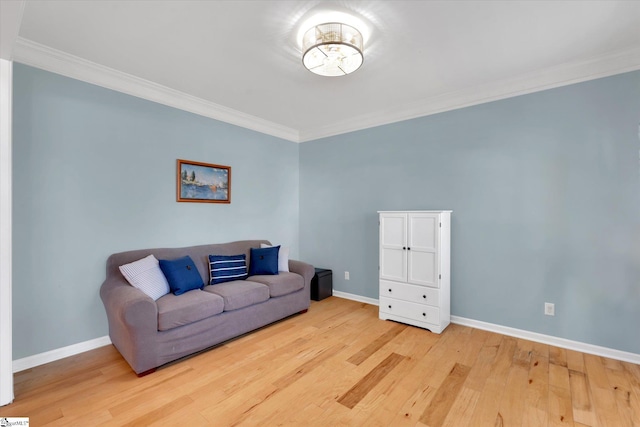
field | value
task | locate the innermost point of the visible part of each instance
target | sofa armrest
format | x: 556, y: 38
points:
x: 307, y: 271
x: 130, y: 306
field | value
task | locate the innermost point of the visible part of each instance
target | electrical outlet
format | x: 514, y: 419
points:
x: 549, y: 309
x: 346, y: 275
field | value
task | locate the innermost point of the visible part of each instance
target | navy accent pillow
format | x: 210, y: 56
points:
x: 225, y: 268
x: 181, y: 274
x: 264, y: 261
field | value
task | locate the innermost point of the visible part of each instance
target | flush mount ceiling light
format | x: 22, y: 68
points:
x: 332, y: 49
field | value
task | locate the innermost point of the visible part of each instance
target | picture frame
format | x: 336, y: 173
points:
x: 203, y: 182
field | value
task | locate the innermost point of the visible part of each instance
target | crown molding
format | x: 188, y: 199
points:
x: 49, y: 59
x: 549, y: 78
x: 46, y: 58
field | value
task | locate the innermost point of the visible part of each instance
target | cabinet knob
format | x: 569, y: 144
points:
x: 424, y: 296
x: 404, y: 248
x: 389, y: 306
x: 389, y: 289
x: 408, y: 249
x: 424, y: 314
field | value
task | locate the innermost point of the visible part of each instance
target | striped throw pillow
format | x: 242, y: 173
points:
x: 145, y: 274
x: 225, y: 268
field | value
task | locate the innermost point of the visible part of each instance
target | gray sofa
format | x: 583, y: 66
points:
x: 151, y: 333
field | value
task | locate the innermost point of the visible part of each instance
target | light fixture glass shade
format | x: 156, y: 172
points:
x: 332, y: 49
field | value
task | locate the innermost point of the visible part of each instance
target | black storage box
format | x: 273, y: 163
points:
x: 322, y: 284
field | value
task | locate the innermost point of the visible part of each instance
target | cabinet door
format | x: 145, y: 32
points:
x: 422, y: 249
x: 393, y: 243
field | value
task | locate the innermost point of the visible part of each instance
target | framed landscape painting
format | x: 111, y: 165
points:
x: 203, y: 182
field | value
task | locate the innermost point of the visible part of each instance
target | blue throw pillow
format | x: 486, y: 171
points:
x: 225, y: 268
x: 264, y: 261
x: 181, y: 274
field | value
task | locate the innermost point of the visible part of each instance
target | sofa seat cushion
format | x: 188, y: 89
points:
x: 282, y: 284
x: 179, y: 310
x: 239, y: 293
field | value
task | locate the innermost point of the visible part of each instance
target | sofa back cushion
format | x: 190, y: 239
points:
x: 199, y: 255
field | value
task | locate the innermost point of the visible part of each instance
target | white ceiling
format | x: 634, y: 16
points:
x: 239, y: 61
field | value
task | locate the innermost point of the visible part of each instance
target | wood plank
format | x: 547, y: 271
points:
x: 435, y: 414
x: 473, y: 344
x: 431, y: 370
x: 540, y: 349
x: 536, y: 408
x: 100, y: 417
x: 140, y: 402
x: 575, y: 361
x: 612, y: 364
x: 606, y: 409
x: 410, y: 375
x: 626, y: 399
x: 377, y: 344
x: 559, y: 376
x: 160, y: 413
x: 487, y: 409
x: 378, y: 407
x: 603, y: 398
x: 632, y: 373
x: 558, y: 356
x: 483, y: 365
x: 560, y: 405
x: 583, y: 411
x: 511, y: 408
x: 462, y: 410
x: 411, y: 410
x: 412, y: 342
x: 560, y: 410
x: 595, y: 370
x: 364, y: 386
x: 308, y: 366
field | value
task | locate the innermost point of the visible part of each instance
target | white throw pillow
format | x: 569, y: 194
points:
x: 283, y: 256
x: 145, y: 274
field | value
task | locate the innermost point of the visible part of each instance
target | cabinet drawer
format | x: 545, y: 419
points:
x: 411, y: 293
x: 410, y: 310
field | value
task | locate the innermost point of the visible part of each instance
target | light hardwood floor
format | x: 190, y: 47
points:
x: 336, y: 365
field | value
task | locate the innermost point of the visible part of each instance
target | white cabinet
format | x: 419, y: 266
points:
x: 414, y: 268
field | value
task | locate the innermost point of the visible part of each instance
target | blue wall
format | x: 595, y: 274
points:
x: 94, y: 173
x: 545, y: 190
x: 545, y: 193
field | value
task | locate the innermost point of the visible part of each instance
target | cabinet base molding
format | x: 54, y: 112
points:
x: 436, y: 329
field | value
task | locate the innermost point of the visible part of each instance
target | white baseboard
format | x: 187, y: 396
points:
x: 520, y: 333
x: 354, y: 297
x: 550, y: 340
x: 59, y: 353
